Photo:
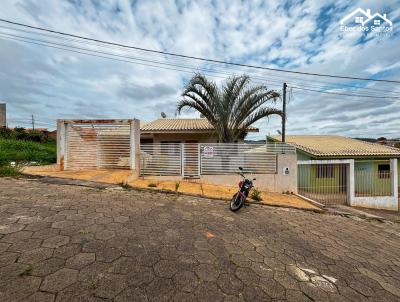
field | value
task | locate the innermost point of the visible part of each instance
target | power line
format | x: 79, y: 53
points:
x: 185, y: 67
x: 196, y: 58
x: 346, y: 94
x: 190, y: 70
x: 264, y: 78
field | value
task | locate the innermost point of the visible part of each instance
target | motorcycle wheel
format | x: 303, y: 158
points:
x: 237, y: 202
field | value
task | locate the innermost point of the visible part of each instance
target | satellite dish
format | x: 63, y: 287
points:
x: 163, y: 115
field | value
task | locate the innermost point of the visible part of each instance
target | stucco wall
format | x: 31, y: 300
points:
x: 182, y: 137
x: 278, y: 182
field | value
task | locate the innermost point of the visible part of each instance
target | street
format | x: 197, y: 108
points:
x: 71, y: 243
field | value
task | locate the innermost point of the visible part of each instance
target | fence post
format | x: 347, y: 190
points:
x: 351, y: 183
x: 394, y: 176
x: 182, y: 160
x: 61, y: 144
x: 134, y: 140
x: 198, y: 159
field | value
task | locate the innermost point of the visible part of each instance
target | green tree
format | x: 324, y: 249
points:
x: 232, y: 108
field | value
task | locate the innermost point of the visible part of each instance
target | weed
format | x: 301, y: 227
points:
x: 7, y: 170
x: 92, y: 285
x: 256, y: 195
x: 177, y: 186
x: 27, y: 151
x: 27, y: 271
x: 152, y: 185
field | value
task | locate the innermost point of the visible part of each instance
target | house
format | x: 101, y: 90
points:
x: 372, y: 166
x: 180, y: 130
x: 377, y: 20
x: 357, y: 16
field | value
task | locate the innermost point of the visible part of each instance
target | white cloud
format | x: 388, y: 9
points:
x: 53, y: 83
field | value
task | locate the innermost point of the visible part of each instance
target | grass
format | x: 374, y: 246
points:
x: 27, y: 271
x: 255, y: 195
x: 9, y: 171
x: 177, y: 186
x: 152, y: 185
x: 27, y: 151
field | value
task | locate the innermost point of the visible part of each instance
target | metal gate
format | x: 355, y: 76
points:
x: 326, y: 183
x: 97, y: 145
x: 192, y: 159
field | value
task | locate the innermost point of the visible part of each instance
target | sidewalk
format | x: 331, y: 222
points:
x: 124, y: 177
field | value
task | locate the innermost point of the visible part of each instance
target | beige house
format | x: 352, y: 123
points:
x: 180, y: 130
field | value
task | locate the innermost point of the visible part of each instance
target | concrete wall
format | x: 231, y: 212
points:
x: 182, y: 137
x: 3, y: 115
x: 377, y: 202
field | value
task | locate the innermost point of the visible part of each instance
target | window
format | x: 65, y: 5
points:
x: 359, y: 19
x: 325, y: 171
x: 384, y: 171
x: 377, y: 22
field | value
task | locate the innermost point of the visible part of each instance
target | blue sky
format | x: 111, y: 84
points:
x: 298, y: 35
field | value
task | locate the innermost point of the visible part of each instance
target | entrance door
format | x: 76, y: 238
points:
x: 191, y: 159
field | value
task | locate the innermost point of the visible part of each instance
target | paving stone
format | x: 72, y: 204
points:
x: 131, y: 294
x: 40, y: 297
x: 145, y: 246
x: 80, y: 260
x: 206, y: 272
x: 165, y: 268
x: 59, y: 280
x: 35, y: 255
x: 186, y: 281
x: 160, y: 289
x: 17, y: 236
x: 11, y: 228
x: 18, y: 289
x: 110, y: 285
x: 105, y: 235
x: 56, y: 241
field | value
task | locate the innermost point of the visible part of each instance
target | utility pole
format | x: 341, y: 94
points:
x: 284, y: 113
x: 33, y: 123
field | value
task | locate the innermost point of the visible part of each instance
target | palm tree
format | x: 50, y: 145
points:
x: 232, y: 108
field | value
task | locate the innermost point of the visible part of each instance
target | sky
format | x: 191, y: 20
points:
x: 304, y: 36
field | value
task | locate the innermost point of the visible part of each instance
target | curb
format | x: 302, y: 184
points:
x: 105, y: 186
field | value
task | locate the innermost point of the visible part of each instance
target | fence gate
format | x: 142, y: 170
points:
x: 326, y: 183
x: 192, y: 160
x: 97, y: 145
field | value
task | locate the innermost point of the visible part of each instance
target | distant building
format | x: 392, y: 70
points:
x: 3, y: 115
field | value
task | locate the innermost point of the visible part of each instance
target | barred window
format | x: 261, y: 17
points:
x: 384, y: 171
x: 325, y: 171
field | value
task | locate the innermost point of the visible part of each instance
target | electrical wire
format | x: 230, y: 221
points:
x: 196, y: 58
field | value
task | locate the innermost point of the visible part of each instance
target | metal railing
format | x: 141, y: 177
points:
x: 370, y: 183
x: 226, y: 158
x: 161, y: 159
x: 193, y: 160
x: 325, y: 183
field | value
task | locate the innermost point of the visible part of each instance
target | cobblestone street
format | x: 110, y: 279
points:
x: 71, y: 243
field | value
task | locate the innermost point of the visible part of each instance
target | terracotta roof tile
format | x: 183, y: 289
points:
x: 180, y: 125
x: 334, y: 145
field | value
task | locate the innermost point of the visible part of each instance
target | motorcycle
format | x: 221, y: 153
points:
x: 239, y: 198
